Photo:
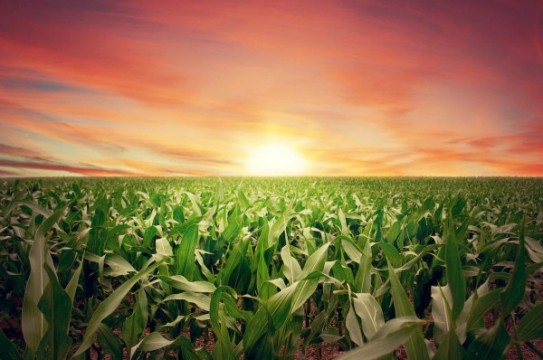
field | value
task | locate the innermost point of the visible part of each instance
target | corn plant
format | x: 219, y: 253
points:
x: 205, y: 268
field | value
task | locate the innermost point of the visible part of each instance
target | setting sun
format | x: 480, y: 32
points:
x: 275, y: 160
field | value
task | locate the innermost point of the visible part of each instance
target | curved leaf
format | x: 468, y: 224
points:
x: 369, y: 310
x: 385, y: 343
x: 530, y: 326
x: 414, y: 346
x: 34, y: 325
x: 151, y: 342
x: 109, y: 305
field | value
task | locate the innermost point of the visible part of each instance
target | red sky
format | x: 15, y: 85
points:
x: 192, y: 88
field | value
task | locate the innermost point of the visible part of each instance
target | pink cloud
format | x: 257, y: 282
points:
x: 90, y: 48
x: 440, y: 87
x: 19, y: 151
x: 81, y: 170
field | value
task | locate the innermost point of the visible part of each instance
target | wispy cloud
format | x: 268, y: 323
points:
x: 81, y: 170
x: 9, y: 173
x: 19, y: 152
x: 359, y: 87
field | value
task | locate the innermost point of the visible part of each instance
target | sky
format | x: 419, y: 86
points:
x: 355, y: 88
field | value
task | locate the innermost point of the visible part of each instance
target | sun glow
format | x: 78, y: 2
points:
x: 275, y: 160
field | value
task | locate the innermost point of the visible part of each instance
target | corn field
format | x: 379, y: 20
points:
x: 271, y: 268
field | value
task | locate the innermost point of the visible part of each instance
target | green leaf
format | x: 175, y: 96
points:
x: 306, y: 287
x: 514, y: 292
x: 391, y: 253
x: 450, y: 347
x: 277, y: 229
x: 178, y: 214
x: 151, y: 342
x: 490, y: 344
x: 482, y: 305
x: 223, y: 347
x: 262, y: 272
x: 109, y: 305
x: 186, y: 349
x: 181, y: 283
x: 315, y: 262
x: 393, y: 232
x: 218, y: 195
x: 530, y: 327
x: 109, y: 342
x: 353, y: 327
x: 363, y: 275
x: 134, y: 325
x: 343, y: 222
x: 194, y: 202
x: 132, y: 328
x: 370, y: 312
x: 163, y: 248
x: 36, y: 209
x: 95, y: 243
x: 304, y: 290
x: 415, y: 346
x: 232, y: 230
x: 397, y: 324
x: 119, y: 266
x: 34, y: 324
x: 149, y: 235
x: 385, y: 342
x: 71, y: 288
x: 278, y: 307
x: 455, y: 277
x: 142, y: 303
x: 351, y: 250
x: 441, y: 311
x: 236, y: 260
x: 408, y: 265
x: 258, y: 324
x: 56, y: 307
x: 534, y: 249
x: 291, y: 267
x: 8, y: 349
x: 185, y: 260
x: 200, y: 300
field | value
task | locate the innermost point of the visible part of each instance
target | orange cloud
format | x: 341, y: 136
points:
x: 19, y: 152
x: 81, y: 170
x: 359, y: 87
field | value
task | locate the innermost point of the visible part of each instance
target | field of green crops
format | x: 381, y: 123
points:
x: 253, y: 268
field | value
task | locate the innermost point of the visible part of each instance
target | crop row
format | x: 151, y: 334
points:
x: 270, y: 268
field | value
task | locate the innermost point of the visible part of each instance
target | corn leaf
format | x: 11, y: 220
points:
x: 198, y: 299
x: 109, y: 342
x: 393, y: 334
x: 514, y: 292
x: 414, y: 346
x: 34, y: 324
x: 450, y: 347
x: 185, y: 260
x: 151, y: 342
x: 455, y: 277
x: 490, y: 344
x: 481, y: 306
x: 109, y: 305
x: 291, y: 267
x: 181, y: 283
x: 441, y: 311
x: 353, y: 327
x: 8, y: 349
x: 370, y: 312
x: 530, y: 327
x: 56, y: 306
